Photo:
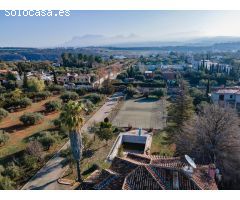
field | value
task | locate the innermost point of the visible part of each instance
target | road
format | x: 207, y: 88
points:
x: 46, y: 178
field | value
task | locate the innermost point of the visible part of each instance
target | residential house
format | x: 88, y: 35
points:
x: 148, y: 172
x: 149, y: 74
x: 227, y: 97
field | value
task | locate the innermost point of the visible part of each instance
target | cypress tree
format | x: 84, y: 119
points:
x: 25, y: 80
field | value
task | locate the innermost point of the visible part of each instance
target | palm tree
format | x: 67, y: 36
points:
x: 71, y: 118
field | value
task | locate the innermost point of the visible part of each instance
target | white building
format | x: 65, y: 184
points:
x: 212, y: 66
x: 227, y: 97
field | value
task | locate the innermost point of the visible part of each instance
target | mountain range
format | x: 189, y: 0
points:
x: 133, y: 40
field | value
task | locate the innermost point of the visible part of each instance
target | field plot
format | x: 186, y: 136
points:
x: 141, y: 113
x: 19, y: 132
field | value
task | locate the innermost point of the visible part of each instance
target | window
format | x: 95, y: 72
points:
x: 231, y: 96
x: 221, y: 97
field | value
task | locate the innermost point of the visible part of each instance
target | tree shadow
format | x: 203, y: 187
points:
x: 146, y: 100
x: 14, y: 128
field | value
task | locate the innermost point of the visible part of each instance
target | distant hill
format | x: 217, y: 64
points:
x: 53, y: 54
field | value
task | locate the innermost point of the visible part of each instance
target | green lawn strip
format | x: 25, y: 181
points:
x: 160, y: 144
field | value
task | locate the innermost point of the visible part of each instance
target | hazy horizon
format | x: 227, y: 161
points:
x: 97, y: 28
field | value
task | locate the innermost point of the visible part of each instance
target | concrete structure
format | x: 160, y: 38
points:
x: 137, y: 136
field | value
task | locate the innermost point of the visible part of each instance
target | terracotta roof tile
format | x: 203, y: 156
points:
x: 143, y: 172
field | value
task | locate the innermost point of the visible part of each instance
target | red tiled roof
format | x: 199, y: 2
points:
x: 139, y: 172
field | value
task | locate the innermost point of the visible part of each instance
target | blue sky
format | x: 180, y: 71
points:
x: 147, y: 25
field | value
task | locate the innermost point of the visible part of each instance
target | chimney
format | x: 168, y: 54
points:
x: 211, y: 171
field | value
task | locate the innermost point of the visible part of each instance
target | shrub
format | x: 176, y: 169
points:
x: 88, y: 105
x: 47, y: 140
x: 30, y: 161
x: 57, y: 123
x: 24, y: 102
x: 4, y: 137
x: 38, y: 96
x: 81, y: 92
x: 6, y: 183
x: 17, y: 103
x: 131, y: 91
x: 12, y: 171
x: 67, y: 96
x: 140, y: 77
x: 3, y: 114
x: 31, y: 118
x: 55, y: 88
x: 94, y: 98
x: 52, y: 106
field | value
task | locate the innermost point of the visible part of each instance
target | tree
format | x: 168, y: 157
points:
x: 71, y: 118
x: 158, y: 93
x: 11, y: 76
x: 35, y: 148
x: 67, y: 96
x: 105, y: 134
x: 35, y: 85
x: 140, y: 77
x: 52, y: 106
x: 54, y: 75
x: 17, y: 103
x: 29, y: 119
x: 213, y: 136
x: 107, y: 87
x: 182, y: 109
x: 25, y: 80
x: 55, y: 88
x: 198, y: 96
x: 3, y: 114
x: 131, y: 91
x: 105, y: 130
x: 47, y: 140
x: 94, y: 98
x: 23, y: 102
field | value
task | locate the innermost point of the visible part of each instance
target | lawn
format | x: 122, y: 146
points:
x: 161, y: 146
x: 18, y: 132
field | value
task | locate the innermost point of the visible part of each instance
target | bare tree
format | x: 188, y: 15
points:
x: 34, y: 148
x: 214, y: 136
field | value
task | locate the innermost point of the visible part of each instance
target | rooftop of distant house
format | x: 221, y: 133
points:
x: 232, y: 90
x: 145, y: 172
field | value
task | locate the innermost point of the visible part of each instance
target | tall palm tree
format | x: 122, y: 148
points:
x: 71, y: 118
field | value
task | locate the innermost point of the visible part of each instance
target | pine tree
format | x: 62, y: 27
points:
x: 182, y: 109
